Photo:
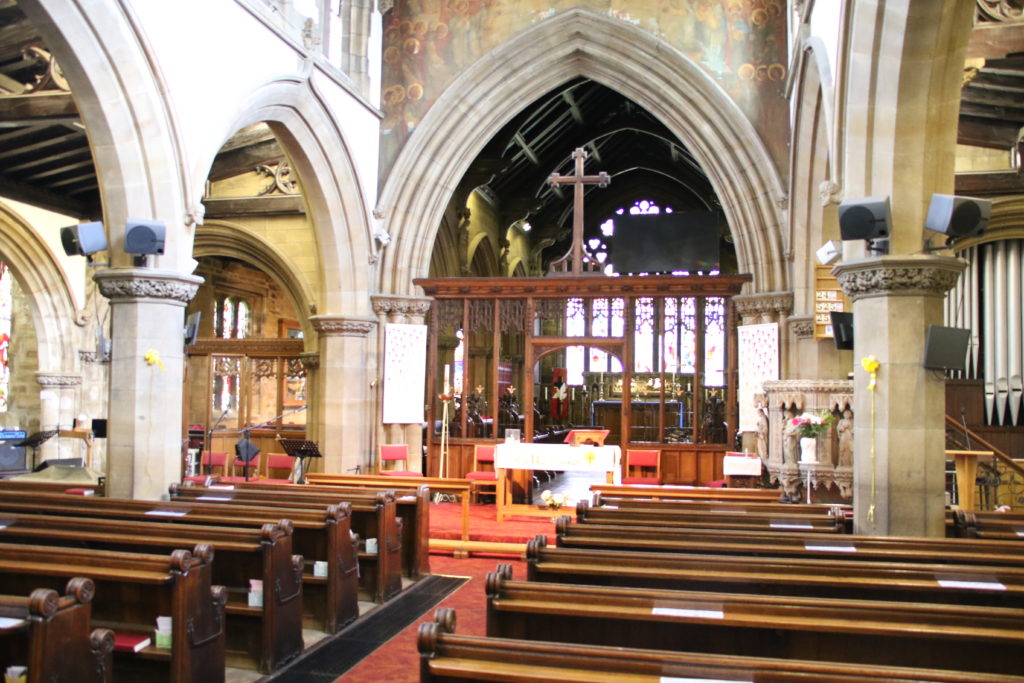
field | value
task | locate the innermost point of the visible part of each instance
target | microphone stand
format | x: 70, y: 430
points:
x: 209, y: 440
x: 267, y: 423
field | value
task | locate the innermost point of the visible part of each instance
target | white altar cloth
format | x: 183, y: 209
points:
x: 557, y: 457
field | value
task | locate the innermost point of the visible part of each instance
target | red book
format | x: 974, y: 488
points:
x: 131, y: 642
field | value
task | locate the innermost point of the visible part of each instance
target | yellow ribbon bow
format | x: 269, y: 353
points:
x: 152, y: 357
x: 871, y: 365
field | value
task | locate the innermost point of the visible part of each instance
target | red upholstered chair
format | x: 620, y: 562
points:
x: 483, y: 475
x: 279, y: 467
x: 394, y: 453
x: 643, y: 467
x: 214, y: 463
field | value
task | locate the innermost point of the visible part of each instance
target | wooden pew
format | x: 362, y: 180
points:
x: 688, y: 493
x: 989, y: 525
x: 815, y: 577
x: 372, y: 517
x: 51, y: 634
x: 446, y: 657
x: 826, y: 523
x: 412, y: 506
x: 263, y: 637
x: 963, y: 638
x: 133, y: 589
x: 446, y: 485
x: 329, y: 602
x: 779, y: 544
x: 44, y: 486
x: 601, y: 499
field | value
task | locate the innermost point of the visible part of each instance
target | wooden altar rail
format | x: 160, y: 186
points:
x: 330, y: 602
x: 959, y: 584
x: 688, y: 493
x: 779, y: 544
x: 957, y: 637
x: 446, y: 657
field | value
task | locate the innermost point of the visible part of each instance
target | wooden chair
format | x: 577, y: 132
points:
x: 278, y: 467
x: 214, y: 463
x: 643, y: 467
x: 394, y: 453
x: 483, y: 455
x: 238, y: 467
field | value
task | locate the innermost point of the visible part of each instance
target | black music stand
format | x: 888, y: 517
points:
x: 34, y: 441
x: 302, y: 449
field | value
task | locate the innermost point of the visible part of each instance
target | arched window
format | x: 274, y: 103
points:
x: 232, y: 318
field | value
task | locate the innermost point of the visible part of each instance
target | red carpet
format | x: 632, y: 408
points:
x: 446, y: 523
x: 398, y: 660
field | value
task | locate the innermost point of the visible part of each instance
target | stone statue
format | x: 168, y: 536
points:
x: 844, y: 428
x: 790, y: 440
x: 762, y: 433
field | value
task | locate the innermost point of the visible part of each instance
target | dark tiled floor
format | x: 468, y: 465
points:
x: 334, y: 656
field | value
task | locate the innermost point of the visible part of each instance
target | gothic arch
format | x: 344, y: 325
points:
x: 47, y: 289
x: 582, y: 42
x: 302, y: 121
x: 221, y: 238
x: 483, y: 254
x: 122, y: 99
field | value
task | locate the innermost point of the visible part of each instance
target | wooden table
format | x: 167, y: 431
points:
x: 966, y: 475
x: 554, y: 457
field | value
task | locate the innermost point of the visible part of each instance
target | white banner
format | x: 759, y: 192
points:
x: 758, y: 363
x: 405, y: 373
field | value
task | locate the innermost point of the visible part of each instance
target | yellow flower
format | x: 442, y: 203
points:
x: 152, y: 357
x: 870, y: 363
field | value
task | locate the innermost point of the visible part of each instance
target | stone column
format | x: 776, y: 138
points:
x: 342, y: 417
x: 899, y: 434
x: 144, y: 444
x: 403, y: 310
x: 311, y: 364
x: 58, y: 404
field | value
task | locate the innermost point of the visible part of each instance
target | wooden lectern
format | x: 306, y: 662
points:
x: 966, y: 476
x: 592, y: 437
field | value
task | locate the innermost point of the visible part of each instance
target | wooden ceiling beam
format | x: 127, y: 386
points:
x: 42, y: 198
x: 988, y: 133
x: 995, y: 40
x: 245, y: 159
x: 989, y: 184
x: 43, y: 107
x: 278, y: 204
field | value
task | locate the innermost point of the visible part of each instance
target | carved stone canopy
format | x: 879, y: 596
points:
x: 340, y: 326
x: 58, y: 379
x: 122, y: 285
x: 918, y: 275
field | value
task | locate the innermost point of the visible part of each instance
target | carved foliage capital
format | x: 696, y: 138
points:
x: 310, y: 360
x: 93, y: 357
x: 802, y: 326
x: 829, y: 192
x: 58, y: 379
x: 772, y: 304
x: 387, y: 304
x: 339, y: 326
x: 898, y: 276
x: 129, y: 284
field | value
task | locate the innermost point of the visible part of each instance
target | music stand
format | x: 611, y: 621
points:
x: 34, y: 441
x: 301, y: 450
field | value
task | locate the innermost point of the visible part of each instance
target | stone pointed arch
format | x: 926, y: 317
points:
x: 221, y: 238
x: 302, y: 121
x: 582, y: 42
x: 47, y: 290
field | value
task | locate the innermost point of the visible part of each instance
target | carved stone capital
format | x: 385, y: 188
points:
x: 763, y: 305
x: 809, y: 386
x: 829, y: 192
x: 386, y: 304
x: 122, y: 285
x: 58, y: 380
x: 385, y: 5
x: 802, y: 326
x: 341, y: 326
x: 310, y: 360
x: 93, y: 357
x: 898, y: 276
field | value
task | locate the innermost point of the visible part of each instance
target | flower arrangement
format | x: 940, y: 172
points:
x: 554, y: 501
x: 809, y: 425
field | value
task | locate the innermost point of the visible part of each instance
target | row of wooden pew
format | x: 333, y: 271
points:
x: 741, y: 591
x: 136, y: 554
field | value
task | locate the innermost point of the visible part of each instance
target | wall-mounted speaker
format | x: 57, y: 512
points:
x: 144, y: 237
x: 866, y: 218
x: 945, y: 348
x: 83, y: 239
x: 192, y: 328
x: 842, y: 329
x: 958, y: 216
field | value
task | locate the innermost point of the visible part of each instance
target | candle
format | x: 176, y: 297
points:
x: 447, y: 378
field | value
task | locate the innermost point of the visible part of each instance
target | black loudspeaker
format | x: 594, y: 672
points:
x: 866, y: 218
x: 192, y: 328
x: 99, y: 429
x: 958, y: 216
x: 144, y: 237
x: 246, y: 450
x: 945, y: 348
x: 12, y: 458
x: 67, y: 462
x: 83, y: 239
x: 842, y: 329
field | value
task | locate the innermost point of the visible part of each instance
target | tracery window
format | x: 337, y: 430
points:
x: 232, y: 319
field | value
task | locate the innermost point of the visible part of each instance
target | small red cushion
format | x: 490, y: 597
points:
x: 400, y: 473
x: 649, y: 481
x: 482, y: 476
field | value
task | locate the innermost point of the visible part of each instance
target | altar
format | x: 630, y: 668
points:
x: 555, y: 457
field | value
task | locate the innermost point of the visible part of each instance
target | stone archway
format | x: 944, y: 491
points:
x: 582, y: 42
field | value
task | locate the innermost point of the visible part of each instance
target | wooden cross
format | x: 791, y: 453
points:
x: 578, y: 179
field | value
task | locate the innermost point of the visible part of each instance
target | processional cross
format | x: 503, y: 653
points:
x: 578, y: 180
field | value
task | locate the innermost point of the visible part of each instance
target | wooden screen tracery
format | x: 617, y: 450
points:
x: 520, y: 335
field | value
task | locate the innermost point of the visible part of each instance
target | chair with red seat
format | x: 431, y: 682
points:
x: 279, y: 467
x: 393, y: 453
x: 479, y: 477
x: 214, y: 463
x: 643, y: 467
